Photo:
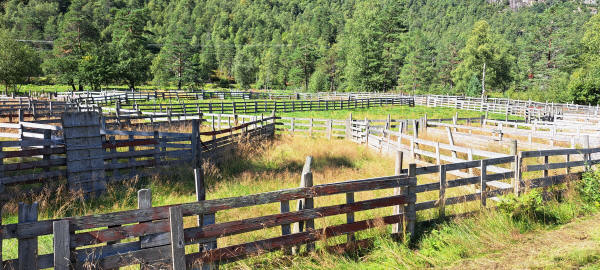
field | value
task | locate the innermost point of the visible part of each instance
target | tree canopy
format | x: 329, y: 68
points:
x: 419, y: 46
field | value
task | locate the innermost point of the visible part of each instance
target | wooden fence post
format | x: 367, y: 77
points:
x: 46, y: 157
x: 285, y: 228
x: 586, y: 145
x: 350, y: 217
x: 307, y: 203
x: 437, y: 153
x: 144, y: 197
x: 483, y: 182
x: 28, y: 247
x: 293, y: 123
x: 132, y: 171
x: 515, y: 167
x: 397, y: 228
x: 156, y: 148
x: 442, y: 193
x: 367, y: 126
x: 61, y: 243
x: 177, y: 240
x: 451, y: 140
x: 329, y: 128
x: 411, y: 212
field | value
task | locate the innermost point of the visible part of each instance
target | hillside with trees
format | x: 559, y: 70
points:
x: 543, y: 50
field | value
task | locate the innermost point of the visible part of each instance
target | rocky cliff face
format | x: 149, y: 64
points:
x: 515, y: 4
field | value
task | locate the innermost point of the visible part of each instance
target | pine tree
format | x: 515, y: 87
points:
x: 128, y: 43
x: 370, y: 44
x: 585, y: 81
x: 486, y: 57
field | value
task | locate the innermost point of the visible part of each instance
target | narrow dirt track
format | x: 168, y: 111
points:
x: 571, y: 246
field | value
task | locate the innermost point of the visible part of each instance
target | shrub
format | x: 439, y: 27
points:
x: 589, y: 187
x: 527, y: 207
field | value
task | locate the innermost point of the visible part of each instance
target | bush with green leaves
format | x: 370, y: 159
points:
x: 589, y: 187
x: 529, y: 206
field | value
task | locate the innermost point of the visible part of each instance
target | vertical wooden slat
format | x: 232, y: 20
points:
x: 517, y: 177
x: 470, y: 158
x: 114, y: 160
x: 46, y: 157
x: 329, y: 128
x: 568, y: 168
x: 546, y: 166
x: 285, y: 228
x: 144, y: 197
x: 483, y: 182
x: 131, y: 159
x: 411, y: 212
x: 437, y: 153
x: 305, y: 181
x: 398, y: 209
x: 177, y: 242
x: 350, y: 216
x: 61, y: 242
x: 309, y: 204
x: 442, y: 193
x: 586, y: 145
x: 28, y: 247
x: 156, y: 148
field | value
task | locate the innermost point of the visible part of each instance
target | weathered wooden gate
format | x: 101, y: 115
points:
x: 85, y: 155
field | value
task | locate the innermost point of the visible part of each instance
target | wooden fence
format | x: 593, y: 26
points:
x: 113, y: 96
x: 268, y: 106
x: 39, y: 156
x: 156, y: 237
x: 40, y: 111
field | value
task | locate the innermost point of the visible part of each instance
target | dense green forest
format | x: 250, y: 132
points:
x: 548, y: 50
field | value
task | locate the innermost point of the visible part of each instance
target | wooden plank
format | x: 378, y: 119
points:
x: 483, y: 183
x: 442, y: 192
x: 35, y: 164
x: 28, y: 247
x: 177, y: 238
x: 31, y: 178
x: 62, y: 252
x: 34, y: 152
x: 550, y: 166
x: 236, y: 252
x: 556, y: 152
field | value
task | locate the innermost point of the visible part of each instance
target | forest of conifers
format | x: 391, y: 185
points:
x: 548, y: 50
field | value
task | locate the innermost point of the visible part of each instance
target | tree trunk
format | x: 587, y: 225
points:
x: 483, y: 82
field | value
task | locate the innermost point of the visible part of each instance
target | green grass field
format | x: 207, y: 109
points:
x: 395, y: 112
